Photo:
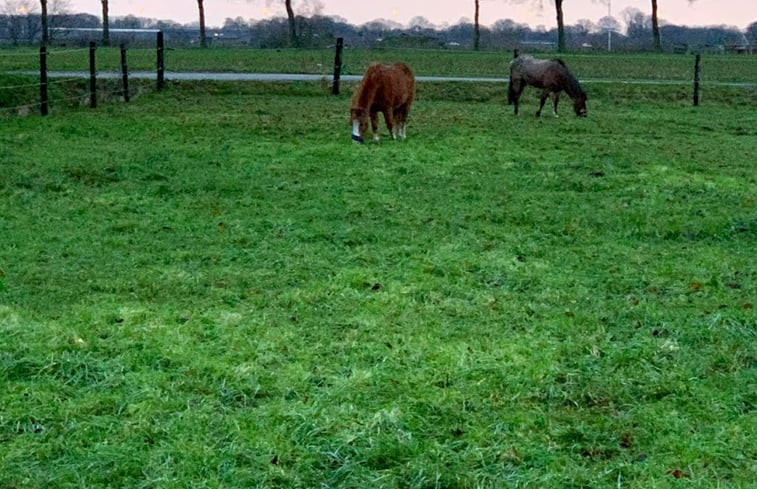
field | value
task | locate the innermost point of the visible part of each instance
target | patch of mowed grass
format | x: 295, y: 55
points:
x: 212, y: 287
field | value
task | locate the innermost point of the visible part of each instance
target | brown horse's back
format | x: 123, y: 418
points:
x: 405, y: 88
x: 385, y: 86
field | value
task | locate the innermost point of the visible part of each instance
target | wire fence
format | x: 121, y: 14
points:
x: 25, y: 88
x: 21, y: 78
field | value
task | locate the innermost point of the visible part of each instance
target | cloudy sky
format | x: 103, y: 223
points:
x: 739, y: 13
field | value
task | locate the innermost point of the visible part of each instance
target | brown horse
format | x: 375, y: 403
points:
x: 551, y: 75
x: 385, y: 88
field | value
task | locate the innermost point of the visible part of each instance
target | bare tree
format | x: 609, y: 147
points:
x: 655, y: 28
x: 560, y: 23
x: 20, y: 20
x: 292, y: 25
x: 203, y: 37
x: 751, y: 33
x: 55, y: 10
x: 106, y: 24
x: 304, y: 7
x: 560, y: 26
x: 476, y: 28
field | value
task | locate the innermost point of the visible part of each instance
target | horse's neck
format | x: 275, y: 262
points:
x: 366, y: 95
x: 572, y: 88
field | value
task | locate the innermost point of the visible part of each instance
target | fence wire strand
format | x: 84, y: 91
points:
x: 18, y: 55
x: 64, y: 80
x: 66, y: 51
x: 35, y: 53
x: 19, y: 107
x: 9, y: 87
x: 83, y: 99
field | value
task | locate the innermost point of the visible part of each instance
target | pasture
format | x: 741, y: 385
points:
x: 213, y: 287
x: 726, y: 68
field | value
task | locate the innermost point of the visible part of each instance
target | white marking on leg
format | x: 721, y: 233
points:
x: 356, y: 128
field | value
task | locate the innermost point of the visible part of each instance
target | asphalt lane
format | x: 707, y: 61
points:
x: 277, y: 77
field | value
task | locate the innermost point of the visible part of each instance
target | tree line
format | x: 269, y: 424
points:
x: 32, y: 21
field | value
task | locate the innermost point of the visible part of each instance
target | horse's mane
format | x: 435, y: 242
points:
x: 574, y: 88
x: 367, y: 88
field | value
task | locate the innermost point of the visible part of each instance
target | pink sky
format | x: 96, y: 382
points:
x: 739, y: 13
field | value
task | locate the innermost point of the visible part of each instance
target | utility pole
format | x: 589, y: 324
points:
x: 609, y: 30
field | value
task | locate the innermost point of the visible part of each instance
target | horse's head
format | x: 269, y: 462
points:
x: 579, y: 105
x: 359, y: 120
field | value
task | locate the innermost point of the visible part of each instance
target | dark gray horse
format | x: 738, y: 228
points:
x: 551, y: 75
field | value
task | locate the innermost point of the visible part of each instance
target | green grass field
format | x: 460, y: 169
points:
x: 716, y: 68
x: 212, y: 287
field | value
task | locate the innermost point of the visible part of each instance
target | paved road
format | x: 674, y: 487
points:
x: 214, y: 76
x: 272, y: 77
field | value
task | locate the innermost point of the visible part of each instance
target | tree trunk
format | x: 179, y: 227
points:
x: 292, y: 26
x: 203, y: 38
x: 655, y: 28
x: 43, y: 23
x: 560, y: 27
x: 476, y: 28
x: 106, y: 26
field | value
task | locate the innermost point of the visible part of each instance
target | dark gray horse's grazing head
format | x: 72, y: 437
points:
x: 579, y: 104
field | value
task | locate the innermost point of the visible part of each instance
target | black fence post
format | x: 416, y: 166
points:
x: 92, y: 76
x: 43, y: 80
x: 696, y: 79
x: 337, y: 66
x: 161, y: 60
x: 124, y: 73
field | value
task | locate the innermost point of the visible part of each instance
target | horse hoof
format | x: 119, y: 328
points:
x: 357, y: 139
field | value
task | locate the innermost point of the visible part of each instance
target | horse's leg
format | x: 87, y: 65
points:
x: 389, y: 119
x: 401, y: 120
x: 542, y: 100
x: 555, y: 100
x: 516, y: 88
x: 374, y: 124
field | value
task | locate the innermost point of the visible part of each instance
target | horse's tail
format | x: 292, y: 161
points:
x: 510, y: 92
